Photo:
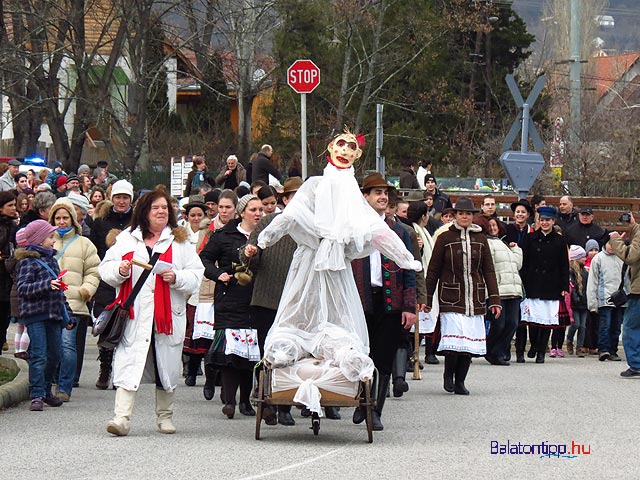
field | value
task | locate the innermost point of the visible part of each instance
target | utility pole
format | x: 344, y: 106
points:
x: 574, y: 76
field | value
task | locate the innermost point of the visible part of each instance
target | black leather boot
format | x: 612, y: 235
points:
x: 332, y: 413
x: 430, y: 352
x: 192, y: 369
x: 106, y: 358
x: 209, y: 389
x: 400, y: 385
x: 540, y: 357
x: 450, y: 361
x: 360, y: 413
x: 376, y: 422
x: 462, y: 368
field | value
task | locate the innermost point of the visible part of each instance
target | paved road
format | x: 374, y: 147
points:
x: 428, y: 433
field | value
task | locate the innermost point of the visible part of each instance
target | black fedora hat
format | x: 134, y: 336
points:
x: 525, y: 203
x: 465, y: 204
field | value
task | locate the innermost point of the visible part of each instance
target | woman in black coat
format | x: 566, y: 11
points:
x: 7, y: 243
x: 232, y: 307
x: 545, y: 276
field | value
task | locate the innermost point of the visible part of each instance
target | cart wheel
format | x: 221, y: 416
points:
x: 315, y: 423
x: 369, y: 407
x: 259, y: 404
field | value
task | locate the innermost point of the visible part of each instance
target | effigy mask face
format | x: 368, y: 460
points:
x: 344, y: 150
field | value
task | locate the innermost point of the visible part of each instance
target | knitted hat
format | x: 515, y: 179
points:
x: 243, y: 202
x: 21, y: 240
x: 37, y: 231
x: 212, y: 196
x: 122, y: 187
x: 62, y: 180
x: 84, y: 168
x: 591, y: 245
x: 79, y: 201
x: 576, y: 252
x: 71, y: 178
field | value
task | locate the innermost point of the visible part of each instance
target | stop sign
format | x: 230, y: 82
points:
x: 303, y: 76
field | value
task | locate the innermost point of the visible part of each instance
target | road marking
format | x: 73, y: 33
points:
x: 295, y: 465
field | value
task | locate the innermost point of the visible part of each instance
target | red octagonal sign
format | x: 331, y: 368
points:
x: 303, y: 76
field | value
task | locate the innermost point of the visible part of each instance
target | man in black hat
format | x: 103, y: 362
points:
x: 388, y: 295
x: 7, y: 182
x: 440, y: 200
x: 585, y: 229
x: 111, y: 178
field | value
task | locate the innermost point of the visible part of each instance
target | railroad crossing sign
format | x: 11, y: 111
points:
x: 519, y: 123
x: 523, y: 167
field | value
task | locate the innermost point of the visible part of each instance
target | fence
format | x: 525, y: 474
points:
x: 606, y: 210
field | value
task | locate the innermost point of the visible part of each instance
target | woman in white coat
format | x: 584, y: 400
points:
x: 159, y: 310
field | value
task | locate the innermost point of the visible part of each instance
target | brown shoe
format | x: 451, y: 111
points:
x: 22, y: 355
x: 570, y: 348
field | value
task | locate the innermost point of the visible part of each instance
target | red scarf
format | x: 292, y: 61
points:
x: 161, y: 299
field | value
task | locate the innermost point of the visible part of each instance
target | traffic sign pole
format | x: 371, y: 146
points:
x: 303, y: 132
x: 303, y: 76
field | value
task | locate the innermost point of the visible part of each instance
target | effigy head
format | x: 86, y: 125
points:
x: 345, y: 149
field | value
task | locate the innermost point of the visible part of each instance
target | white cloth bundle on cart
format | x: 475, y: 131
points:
x: 309, y: 375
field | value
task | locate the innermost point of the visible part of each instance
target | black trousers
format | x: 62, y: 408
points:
x: 385, y: 334
x: 5, y: 314
x: 262, y: 319
x: 539, y: 338
x: 81, y: 341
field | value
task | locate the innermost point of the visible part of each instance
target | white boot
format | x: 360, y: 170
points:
x: 164, y: 411
x: 123, y: 409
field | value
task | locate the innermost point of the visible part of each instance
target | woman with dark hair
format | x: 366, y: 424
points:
x: 507, y: 260
x: 462, y: 270
x: 7, y: 245
x: 269, y: 198
x: 418, y: 215
x: 294, y: 169
x: 151, y: 348
x: 22, y: 204
x: 232, y: 307
x: 545, y: 276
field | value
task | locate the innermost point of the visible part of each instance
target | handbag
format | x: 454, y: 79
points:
x: 110, y: 325
x: 619, y: 297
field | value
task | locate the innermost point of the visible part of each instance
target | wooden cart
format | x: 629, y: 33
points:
x: 266, y: 397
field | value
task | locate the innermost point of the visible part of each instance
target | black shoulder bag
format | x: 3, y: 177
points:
x: 619, y: 297
x: 111, y: 323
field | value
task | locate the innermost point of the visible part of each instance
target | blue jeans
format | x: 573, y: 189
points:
x: 579, y: 324
x: 631, y: 333
x: 502, y: 328
x: 68, y: 361
x: 44, y: 356
x: 610, y: 321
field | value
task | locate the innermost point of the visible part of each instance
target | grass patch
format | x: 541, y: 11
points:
x: 6, y: 375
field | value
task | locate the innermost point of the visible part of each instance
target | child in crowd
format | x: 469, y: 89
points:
x: 21, y: 338
x: 605, y: 276
x: 592, y: 248
x: 43, y: 309
x: 428, y: 200
x: 578, y: 277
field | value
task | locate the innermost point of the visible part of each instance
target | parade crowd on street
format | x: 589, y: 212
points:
x: 241, y: 270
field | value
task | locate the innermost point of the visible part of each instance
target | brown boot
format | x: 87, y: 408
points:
x: 570, y: 348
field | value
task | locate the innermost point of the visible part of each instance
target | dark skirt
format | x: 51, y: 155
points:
x: 199, y: 346
x: 218, y: 359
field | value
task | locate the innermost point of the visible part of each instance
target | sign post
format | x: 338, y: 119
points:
x: 523, y: 167
x: 303, y: 76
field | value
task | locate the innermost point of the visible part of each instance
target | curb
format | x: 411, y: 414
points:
x: 17, y: 390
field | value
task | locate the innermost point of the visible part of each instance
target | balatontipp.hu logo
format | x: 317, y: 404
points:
x: 542, y: 449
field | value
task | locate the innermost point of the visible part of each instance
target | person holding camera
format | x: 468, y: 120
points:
x: 630, y: 254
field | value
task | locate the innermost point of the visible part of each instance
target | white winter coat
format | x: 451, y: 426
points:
x: 604, y: 279
x: 133, y: 351
x: 507, y: 262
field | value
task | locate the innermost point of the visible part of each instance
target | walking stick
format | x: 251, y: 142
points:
x: 416, y: 347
